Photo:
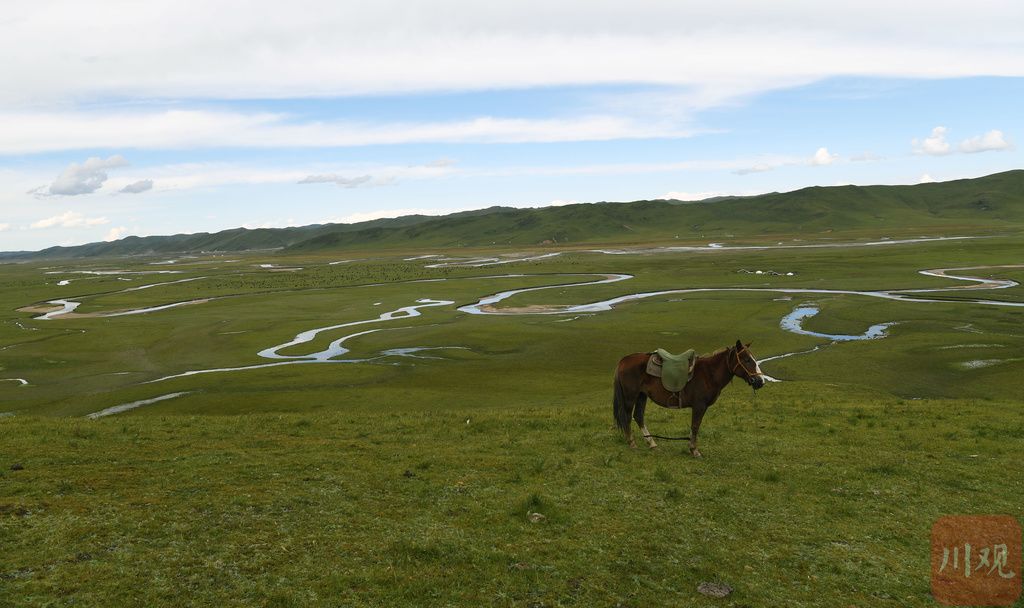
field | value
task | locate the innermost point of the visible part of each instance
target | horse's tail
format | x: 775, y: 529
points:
x: 622, y: 405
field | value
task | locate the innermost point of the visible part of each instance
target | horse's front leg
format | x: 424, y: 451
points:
x: 696, y: 417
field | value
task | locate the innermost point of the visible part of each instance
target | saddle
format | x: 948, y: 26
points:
x: 674, y: 370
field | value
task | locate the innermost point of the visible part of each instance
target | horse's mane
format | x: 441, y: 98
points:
x: 715, y: 353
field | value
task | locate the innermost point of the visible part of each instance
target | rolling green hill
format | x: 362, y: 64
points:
x: 994, y: 202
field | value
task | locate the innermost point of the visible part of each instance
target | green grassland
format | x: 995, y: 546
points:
x: 813, y: 496
x: 407, y: 481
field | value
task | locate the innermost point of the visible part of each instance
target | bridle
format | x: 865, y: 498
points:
x: 750, y: 375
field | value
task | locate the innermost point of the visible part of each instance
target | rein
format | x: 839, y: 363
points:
x: 668, y: 438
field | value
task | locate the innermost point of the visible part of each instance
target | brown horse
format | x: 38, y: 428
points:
x: 711, y: 373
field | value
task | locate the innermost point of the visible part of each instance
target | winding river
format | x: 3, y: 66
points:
x: 491, y: 305
x: 488, y: 306
x: 336, y: 348
x: 792, y: 323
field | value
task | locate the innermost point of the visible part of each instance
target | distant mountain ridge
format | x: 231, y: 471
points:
x: 993, y: 201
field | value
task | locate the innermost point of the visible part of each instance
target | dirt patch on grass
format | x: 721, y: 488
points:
x: 40, y: 308
x: 531, y: 309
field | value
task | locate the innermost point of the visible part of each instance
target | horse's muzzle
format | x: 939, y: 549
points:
x: 757, y: 382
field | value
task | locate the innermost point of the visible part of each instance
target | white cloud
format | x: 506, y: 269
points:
x: 4, y: 227
x: 758, y: 168
x: 993, y: 140
x: 67, y: 51
x: 84, y: 178
x: 344, y: 182
x: 714, y: 53
x: 187, y: 176
x: 934, y: 145
x: 68, y: 219
x: 138, y: 187
x: 820, y: 157
x: 115, y: 233
x: 823, y: 157
x: 28, y: 132
x: 925, y: 179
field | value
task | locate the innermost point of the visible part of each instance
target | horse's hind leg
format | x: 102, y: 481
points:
x: 638, y: 415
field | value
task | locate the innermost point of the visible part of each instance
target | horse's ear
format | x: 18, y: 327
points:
x: 748, y: 344
x: 738, y: 345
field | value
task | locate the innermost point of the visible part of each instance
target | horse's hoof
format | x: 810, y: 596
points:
x: 696, y: 454
x: 653, y: 446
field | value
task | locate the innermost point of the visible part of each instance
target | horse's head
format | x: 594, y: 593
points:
x: 743, y: 364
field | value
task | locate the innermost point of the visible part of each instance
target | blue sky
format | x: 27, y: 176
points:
x: 161, y: 118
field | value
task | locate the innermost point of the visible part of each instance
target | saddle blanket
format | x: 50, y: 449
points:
x: 674, y: 370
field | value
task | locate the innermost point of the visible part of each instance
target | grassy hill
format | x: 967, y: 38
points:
x: 235, y: 239
x: 993, y: 202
